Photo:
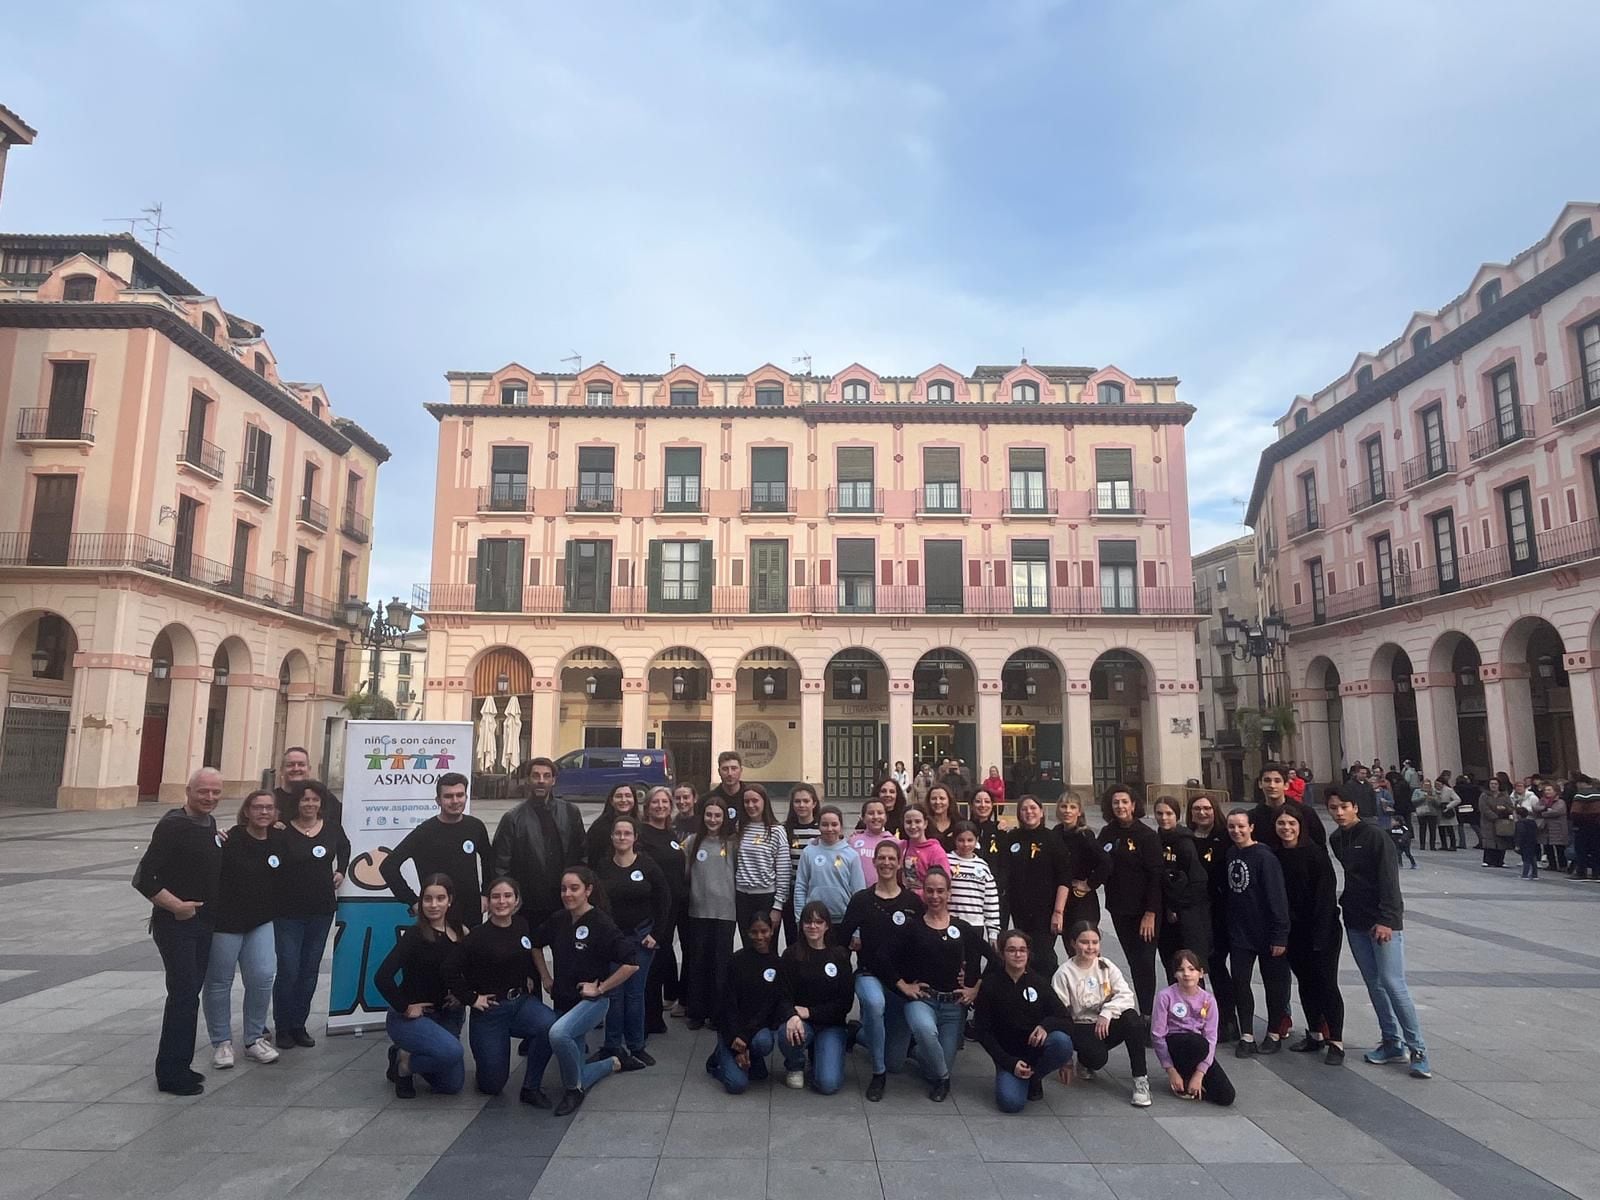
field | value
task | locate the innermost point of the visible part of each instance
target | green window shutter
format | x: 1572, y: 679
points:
x: 708, y: 575
x: 653, y: 577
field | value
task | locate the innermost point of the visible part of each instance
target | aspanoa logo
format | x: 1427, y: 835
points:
x: 396, y: 761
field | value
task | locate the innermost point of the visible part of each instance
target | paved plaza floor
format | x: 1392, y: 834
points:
x: 1506, y: 974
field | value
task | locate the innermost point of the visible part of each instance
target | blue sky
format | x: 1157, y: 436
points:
x: 1243, y: 195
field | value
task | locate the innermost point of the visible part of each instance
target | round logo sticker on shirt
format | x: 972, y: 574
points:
x: 218, y: 840
x: 952, y: 933
x: 701, y: 855
x: 272, y: 861
x: 1108, y: 847
x: 637, y: 876
x: 527, y: 943
x: 1030, y: 994
x: 831, y: 970
x: 467, y: 847
x: 1016, y: 847
x: 581, y: 932
x: 769, y: 974
x: 899, y: 918
x: 820, y: 859
x: 319, y: 852
x: 675, y: 845
x: 1180, y: 1009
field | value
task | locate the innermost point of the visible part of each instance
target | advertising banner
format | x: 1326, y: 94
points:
x: 390, y: 769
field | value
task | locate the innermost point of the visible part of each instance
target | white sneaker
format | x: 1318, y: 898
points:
x: 222, y: 1057
x: 1141, y: 1092
x: 794, y: 1080
x: 261, y: 1051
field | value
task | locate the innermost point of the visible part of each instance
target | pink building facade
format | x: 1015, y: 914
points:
x: 1430, y: 526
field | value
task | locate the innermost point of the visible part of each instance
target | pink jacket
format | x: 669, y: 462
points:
x: 926, y: 853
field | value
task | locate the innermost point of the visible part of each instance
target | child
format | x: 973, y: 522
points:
x: 1527, y: 842
x: 1400, y: 831
x: 974, y: 894
x: 1183, y: 1033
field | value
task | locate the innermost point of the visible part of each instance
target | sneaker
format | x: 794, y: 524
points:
x: 571, y: 1101
x: 1419, y: 1066
x: 534, y: 1096
x: 1387, y: 1053
x: 182, y: 1087
x: 677, y: 1010
x: 875, y: 1087
x: 284, y: 1040
x: 222, y: 1057
x: 1141, y: 1092
x: 1271, y: 1045
x: 629, y: 1062
x: 794, y: 1080
x: 302, y: 1038
x: 1085, y: 1073
x: 405, y: 1088
x: 1035, y: 1088
x: 644, y: 1058
x: 1244, y: 1049
x: 940, y: 1091
x: 261, y: 1051
x: 1306, y: 1045
x: 1335, y: 1056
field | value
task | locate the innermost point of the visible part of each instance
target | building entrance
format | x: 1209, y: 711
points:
x: 849, y: 757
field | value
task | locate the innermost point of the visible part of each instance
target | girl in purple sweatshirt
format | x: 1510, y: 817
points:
x: 1183, y: 1032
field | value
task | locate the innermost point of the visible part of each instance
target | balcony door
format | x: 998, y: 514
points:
x: 499, y: 575
x: 1589, y: 362
x: 589, y: 577
x: 1507, y: 412
x: 1518, y: 504
x: 508, y: 478
x: 69, y: 387
x: 1433, y: 439
x: 50, y: 536
x: 769, y: 576
x: 183, y: 537
x: 942, y: 569
x: 241, y: 555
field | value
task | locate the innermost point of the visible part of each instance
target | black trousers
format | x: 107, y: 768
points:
x: 1188, y: 1051
x: 185, y: 948
x: 1191, y: 931
x: 705, y: 966
x: 747, y: 905
x: 1448, y: 839
x: 662, y: 983
x: 1042, y: 956
x: 1274, y: 974
x: 1093, y: 1050
x: 1141, y: 957
x: 1317, y: 973
x: 1428, y: 832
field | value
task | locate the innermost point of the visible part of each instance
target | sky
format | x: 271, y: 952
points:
x: 1243, y: 195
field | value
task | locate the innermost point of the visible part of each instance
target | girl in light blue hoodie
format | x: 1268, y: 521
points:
x: 829, y: 871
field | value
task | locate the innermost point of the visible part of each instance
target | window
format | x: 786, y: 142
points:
x: 941, y: 479
x: 508, y: 478
x: 499, y: 575
x: 1301, y: 416
x: 1434, y: 455
x: 308, y: 484
x: 50, y: 637
x: 597, y: 395
x: 1222, y: 579
x: 1518, y: 504
x: 854, y: 467
x: 680, y: 576
x: 242, y: 531
x: 302, y: 575
x: 1372, y: 451
x: 1444, y: 549
x: 1574, y: 239
x: 255, y: 475
x: 347, y: 576
x: 1119, y: 562
x: 1027, y: 481
x: 941, y: 567
x: 78, y: 288
x: 597, y: 479
x: 1383, y: 568
x: 769, y: 395
x: 514, y: 392
x: 1110, y: 393
x: 588, y: 582
x: 69, y: 389
x: 1420, y: 341
x: 685, y: 395
x: 261, y: 365
x: 1030, y: 575
x: 403, y: 668
x: 941, y: 391
x: 1113, y: 481
x: 683, y: 480
x: 1319, y: 596
x: 1507, y: 412
x: 316, y: 408
x: 855, y: 391
x: 855, y: 574
x: 1488, y: 295
x: 1364, y: 377
x: 340, y: 648
x: 769, y: 479
x: 1589, y: 362
x: 1025, y: 391
x: 1308, y: 497
x: 208, y: 326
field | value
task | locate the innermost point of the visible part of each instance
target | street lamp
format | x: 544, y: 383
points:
x: 1547, y: 667
x: 1468, y: 676
x: 160, y: 669
x: 944, y: 685
x: 680, y: 685
x: 1030, y: 687
x: 41, y: 662
x: 591, y: 685
x: 1258, y: 642
x: 769, y: 685
x: 857, y: 684
x: 371, y: 627
x: 502, y: 683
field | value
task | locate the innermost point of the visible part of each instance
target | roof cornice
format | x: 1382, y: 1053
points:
x: 873, y: 414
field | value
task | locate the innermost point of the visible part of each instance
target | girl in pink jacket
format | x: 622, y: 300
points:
x: 921, y: 851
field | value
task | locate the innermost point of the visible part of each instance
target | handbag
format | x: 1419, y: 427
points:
x: 1505, y: 827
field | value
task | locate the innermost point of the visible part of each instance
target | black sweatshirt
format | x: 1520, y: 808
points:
x: 881, y: 924
x: 1264, y: 828
x: 1313, y: 897
x: 1371, y: 877
x: 991, y: 844
x: 1033, y: 863
x: 1185, y: 882
x: 184, y: 857
x: 754, y: 997
x: 1134, y: 887
x: 305, y: 881
x: 460, y: 850
x: 640, y: 900
x: 493, y: 962
x: 820, y: 983
x: 583, y: 951
x: 1258, y: 907
x: 247, y: 892
x: 666, y: 847
x: 1085, y: 859
x: 943, y: 958
x: 1007, y: 1012
x: 415, y: 971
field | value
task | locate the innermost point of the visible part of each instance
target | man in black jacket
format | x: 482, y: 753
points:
x: 536, y: 841
x: 1373, y: 915
x: 1273, y: 785
x: 294, y: 770
x: 730, y: 791
x: 1359, y: 792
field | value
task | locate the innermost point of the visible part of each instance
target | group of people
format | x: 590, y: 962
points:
x: 908, y: 932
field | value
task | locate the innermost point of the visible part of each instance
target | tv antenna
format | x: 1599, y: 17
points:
x: 149, y: 221
x: 576, y: 360
x: 802, y: 358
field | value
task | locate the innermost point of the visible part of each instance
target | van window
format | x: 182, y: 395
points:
x: 570, y: 760
x: 605, y: 759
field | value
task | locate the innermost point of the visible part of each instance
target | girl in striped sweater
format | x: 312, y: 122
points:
x: 765, y: 871
x: 974, y: 893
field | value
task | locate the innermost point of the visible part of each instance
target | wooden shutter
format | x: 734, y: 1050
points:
x: 708, y: 577
x: 653, y: 575
x: 999, y: 572
x: 533, y: 571
x: 974, y: 572
x: 913, y: 572
x: 1150, y: 573
x: 799, y: 568
x: 886, y: 573
x: 825, y: 573
x: 1063, y: 572
x: 736, y: 575
x: 1086, y: 569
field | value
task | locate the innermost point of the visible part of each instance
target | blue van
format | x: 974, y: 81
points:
x: 592, y: 773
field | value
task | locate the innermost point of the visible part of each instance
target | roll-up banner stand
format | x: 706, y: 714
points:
x: 390, y: 769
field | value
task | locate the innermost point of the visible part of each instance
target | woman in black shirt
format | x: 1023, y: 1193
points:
x: 1133, y: 892
x: 941, y: 817
x: 984, y: 814
x: 641, y: 903
x: 1086, y: 866
x: 252, y: 856
x: 1315, y: 933
x: 424, y: 1021
x: 817, y: 994
x: 1185, y: 888
x: 801, y: 825
x: 316, y: 856
x: 749, y: 1020
x: 494, y: 977
x: 592, y: 958
x: 623, y: 801
x: 878, y: 915
x: 1034, y: 870
x: 1211, y: 844
x: 659, y: 840
x: 1023, y: 1025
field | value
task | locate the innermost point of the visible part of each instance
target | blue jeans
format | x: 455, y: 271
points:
x: 1383, y: 968
x: 625, y: 1014
x: 827, y: 1056
x: 256, y: 957
x: 1011, y: 1093
x: 185, y: 948
x: 300, y: 942
x: 566, y: 1040
x: 490, y: 1032
x: 434, y: 1043
x: 937, y: 1028
x: 734, y: 1077
x: 882, y: 1017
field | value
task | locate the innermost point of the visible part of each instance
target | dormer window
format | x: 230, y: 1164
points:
x: 78, y: 289
x: 1576, y: 237
x: 598, y: 395
x: 1488, y: 295
x: 1110, y: 393
x: 941, y: 391
x: 208, y: 326
x: 514, y: 392
x: 1364, y: 377
x: 261, y: 365
x: 769, y: 395
x: 1301, y: 416
x: 1420, y: 341
x: 316, y: 408
x: 684, y: 395
x: 1025, y: 391
x: 855, y: 391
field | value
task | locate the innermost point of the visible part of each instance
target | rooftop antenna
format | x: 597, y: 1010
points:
x: 672, y: 360
x: 802, y: 358
x: 148, y: 221
x: 576, y: 360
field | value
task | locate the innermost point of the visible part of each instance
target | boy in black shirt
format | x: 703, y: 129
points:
x: 452, y: 844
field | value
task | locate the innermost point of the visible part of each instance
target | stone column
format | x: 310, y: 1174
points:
x: 990, y: 714
x: 544, y: 717
x: 1385, y: 731
x: 1508, y: 703
x: 1077, y: 752
x: 900, y: 720
x: 1172, y: 755
x: 811, y: 764
x: 1311, y: 709
x: 1585, y: 711
x: 101, y: 764
x: 247, y: 731
x: 634, y: 703
x: 724, y: 704
x: 1360, y: 740
x: 1437, y: 730
x: 186, y: 730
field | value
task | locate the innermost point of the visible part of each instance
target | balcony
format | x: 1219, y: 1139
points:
x: 1579, y: 396
x: 1425, y: 468
x: 855, y: 500
x: 1301, y: 523
x: 1113, y: 500
x: 1515, y: 425
x: 1228, y: 739
x: 1031, y: 502
x: 354, y: 525
x: 944, y: 500
x: 200, y: 457
x: 767, y: 498
x: 312, y: 515
x: 1371, y: 492
x: 254, y: 484
x: 56, y: 425
x: 1202, y: 598
x: 688, y: 497
x: 135, y: 552
x: 592, y: 498
x: 505, y: 498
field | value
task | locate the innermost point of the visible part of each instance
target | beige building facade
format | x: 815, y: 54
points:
x: 820, y: 571
x: 180, y: 525
x: 1225, y: 582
